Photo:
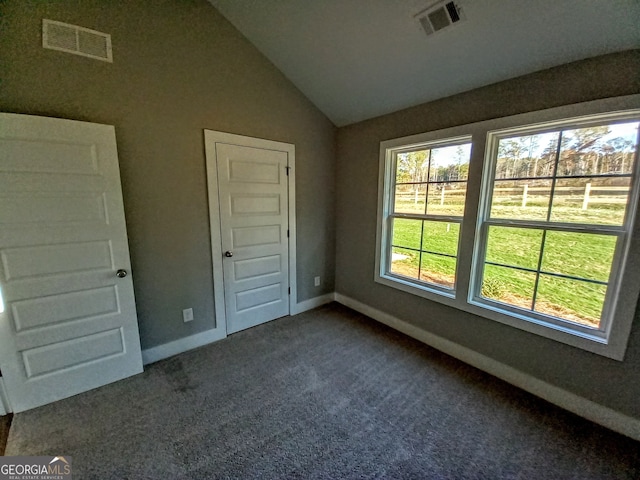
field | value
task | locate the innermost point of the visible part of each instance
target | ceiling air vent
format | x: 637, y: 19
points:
x: 78, y: 40
x: 439, y: 16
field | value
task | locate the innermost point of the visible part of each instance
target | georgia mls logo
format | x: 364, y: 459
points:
x: 61, y: 460
x: 35, y: 468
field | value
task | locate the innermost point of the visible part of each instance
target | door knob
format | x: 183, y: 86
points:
x: 121, y: 273
x: 228, y: 254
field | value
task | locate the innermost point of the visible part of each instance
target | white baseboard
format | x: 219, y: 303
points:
x: 166, y: 350
x: 588, y: 409
x: 4, y: 401
x: 313, y: 303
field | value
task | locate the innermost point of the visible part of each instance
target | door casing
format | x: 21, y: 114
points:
x: 211, y: 138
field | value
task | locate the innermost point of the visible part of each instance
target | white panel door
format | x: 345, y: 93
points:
x: 252, y: 189
x: 68, y: 320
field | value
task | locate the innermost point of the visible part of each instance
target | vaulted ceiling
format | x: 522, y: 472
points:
x: 357, y: 59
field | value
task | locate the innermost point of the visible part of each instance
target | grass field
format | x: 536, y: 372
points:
x: 585, y: 256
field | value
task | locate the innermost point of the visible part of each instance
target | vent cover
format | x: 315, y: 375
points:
x: 78, y: 40
x: 439, y: 16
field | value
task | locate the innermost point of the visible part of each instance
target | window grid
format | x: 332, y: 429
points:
x: 563, y: 177
x: 426, y: 251
x: 544, y: 272
x: 422, y: 217
x: 554, y: 181
x: 421, y: 250
x: 548, y: 224
x: 435, y: 181
x: 426, y: 206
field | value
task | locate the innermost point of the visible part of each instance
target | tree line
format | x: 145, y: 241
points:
x: 584, y: 151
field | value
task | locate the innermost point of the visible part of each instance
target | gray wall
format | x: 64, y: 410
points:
x: 608, y: 382
x: 179, y: 67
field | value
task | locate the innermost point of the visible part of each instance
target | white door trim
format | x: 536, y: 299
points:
x: 211, y: 138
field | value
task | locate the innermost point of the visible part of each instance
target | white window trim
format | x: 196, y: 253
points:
x: 390, y: 183
x: 610, y: 343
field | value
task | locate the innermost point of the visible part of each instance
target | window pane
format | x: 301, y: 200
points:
x: 405, y: 262
x: 439, y: 270
x: 412, y: 166
x: 407, y: 233
x: 410, y: 198
x: 527, y: 156
x: 584, y: 255
x: 518, y: 247
x: 523, y: 199
x: 572, y: 300
x: 591, y: 200
x: 508, y: 285
x: 446, y: 199
x: 605, y: 149
x: 443, y: 171
x: 450, y: 163
x: 441, y: 237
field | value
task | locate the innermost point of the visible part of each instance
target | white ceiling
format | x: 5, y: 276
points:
x: 357, y: 59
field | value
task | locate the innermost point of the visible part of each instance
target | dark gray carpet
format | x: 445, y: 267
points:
x: 5, y: 423
x: 327, y: 394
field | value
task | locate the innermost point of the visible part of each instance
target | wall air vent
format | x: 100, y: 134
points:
x: 439, y: 16
x: 78, y: 40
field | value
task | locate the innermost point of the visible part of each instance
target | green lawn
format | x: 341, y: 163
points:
x: 578, y: 255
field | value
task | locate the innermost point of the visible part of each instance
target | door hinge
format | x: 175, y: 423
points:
x: 287, y: 233
x: 287, y: 169
x: 289, y: 290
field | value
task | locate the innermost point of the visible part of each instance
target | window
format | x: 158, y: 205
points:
x: 555, y: 220
x: 426, y: 204
x: 524, y: 220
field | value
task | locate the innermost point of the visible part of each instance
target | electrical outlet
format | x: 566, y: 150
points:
x: 316, y: 281
x: 187, y: 314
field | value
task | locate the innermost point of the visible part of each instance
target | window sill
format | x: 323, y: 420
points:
x: 594, y: 341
